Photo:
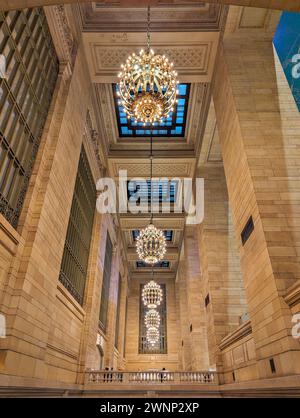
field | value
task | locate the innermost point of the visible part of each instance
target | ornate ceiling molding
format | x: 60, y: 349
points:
x: 183, y: 16
x: 93, y: 137
x: 172, y: 254
x: 162, y: 167
x: 193, y: 53
x: 172, y: 222
x: 64, y: 41
x: 106, y: 113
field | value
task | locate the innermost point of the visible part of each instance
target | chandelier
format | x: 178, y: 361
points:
x: 152, y: 294
x: 152, y: 336
x: 151, y: 245
x: 148, y: 85
x: 152, y: 319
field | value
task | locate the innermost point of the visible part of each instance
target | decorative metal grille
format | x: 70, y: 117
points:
x: 77, y: 245
x: 144, y: 346
x: 26, y: 87
x: 106, y: 283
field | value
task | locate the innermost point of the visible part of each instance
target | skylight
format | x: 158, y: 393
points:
x: 173, y: 127
x: 162, y: 191
x: 161, y: 264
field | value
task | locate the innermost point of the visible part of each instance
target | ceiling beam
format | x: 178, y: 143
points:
x: 292, y: 5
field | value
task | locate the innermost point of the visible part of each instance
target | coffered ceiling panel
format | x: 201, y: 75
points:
x: 181, y: 15
x: 162, y: 167
x: 193, y: 53
x: 172, y: 222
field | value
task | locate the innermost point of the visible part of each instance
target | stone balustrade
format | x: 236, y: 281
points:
x: 150, y: 377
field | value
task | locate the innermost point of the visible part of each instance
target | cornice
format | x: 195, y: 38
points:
x: 292, y: 296
x: 241, y: 332
x: 63, y: 39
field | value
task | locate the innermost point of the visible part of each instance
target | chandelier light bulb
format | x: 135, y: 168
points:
x: 152, y: 295
x: 151, y: 245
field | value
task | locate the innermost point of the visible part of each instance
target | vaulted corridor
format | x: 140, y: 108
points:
x: 149, y: 198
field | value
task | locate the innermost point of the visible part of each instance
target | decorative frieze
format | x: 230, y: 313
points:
x: 64, y: 41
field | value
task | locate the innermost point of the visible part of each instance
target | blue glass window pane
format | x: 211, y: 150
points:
x: 161, y: 191
x: 166, y: 128
x: 182, y: 89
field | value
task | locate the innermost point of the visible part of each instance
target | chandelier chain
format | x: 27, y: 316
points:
x: 148, y: 29
x: 148, y: 85
x: 151, y: 172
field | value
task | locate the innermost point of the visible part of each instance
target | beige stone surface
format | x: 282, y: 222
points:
x: 257, y: 128
x: 222, y: 278
x: 248, y: 155
x: 275, y: 4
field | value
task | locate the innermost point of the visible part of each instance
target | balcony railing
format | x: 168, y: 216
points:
x: 150, y: 377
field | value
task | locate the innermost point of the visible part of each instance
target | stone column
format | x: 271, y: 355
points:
x: 88, y: 350
x: 122, y: 322
x: 259, y: 127
x: 195, y: 302
x: 109, y: 357
x: 222, y: 284
x: 185, y: 345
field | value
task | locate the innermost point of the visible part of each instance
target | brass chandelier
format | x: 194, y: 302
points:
x: 152, y: 336
x: 148, y: 85
x: 152, y: 295
x: 152, y: 319
x: 151, y: 245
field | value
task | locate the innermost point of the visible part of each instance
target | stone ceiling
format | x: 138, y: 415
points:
x: 188, y: 32
x: 167, y: 16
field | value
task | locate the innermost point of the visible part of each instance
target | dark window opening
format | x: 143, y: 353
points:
x: 247, y: 231
x: 79, y: 233
x: 272, y: 365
